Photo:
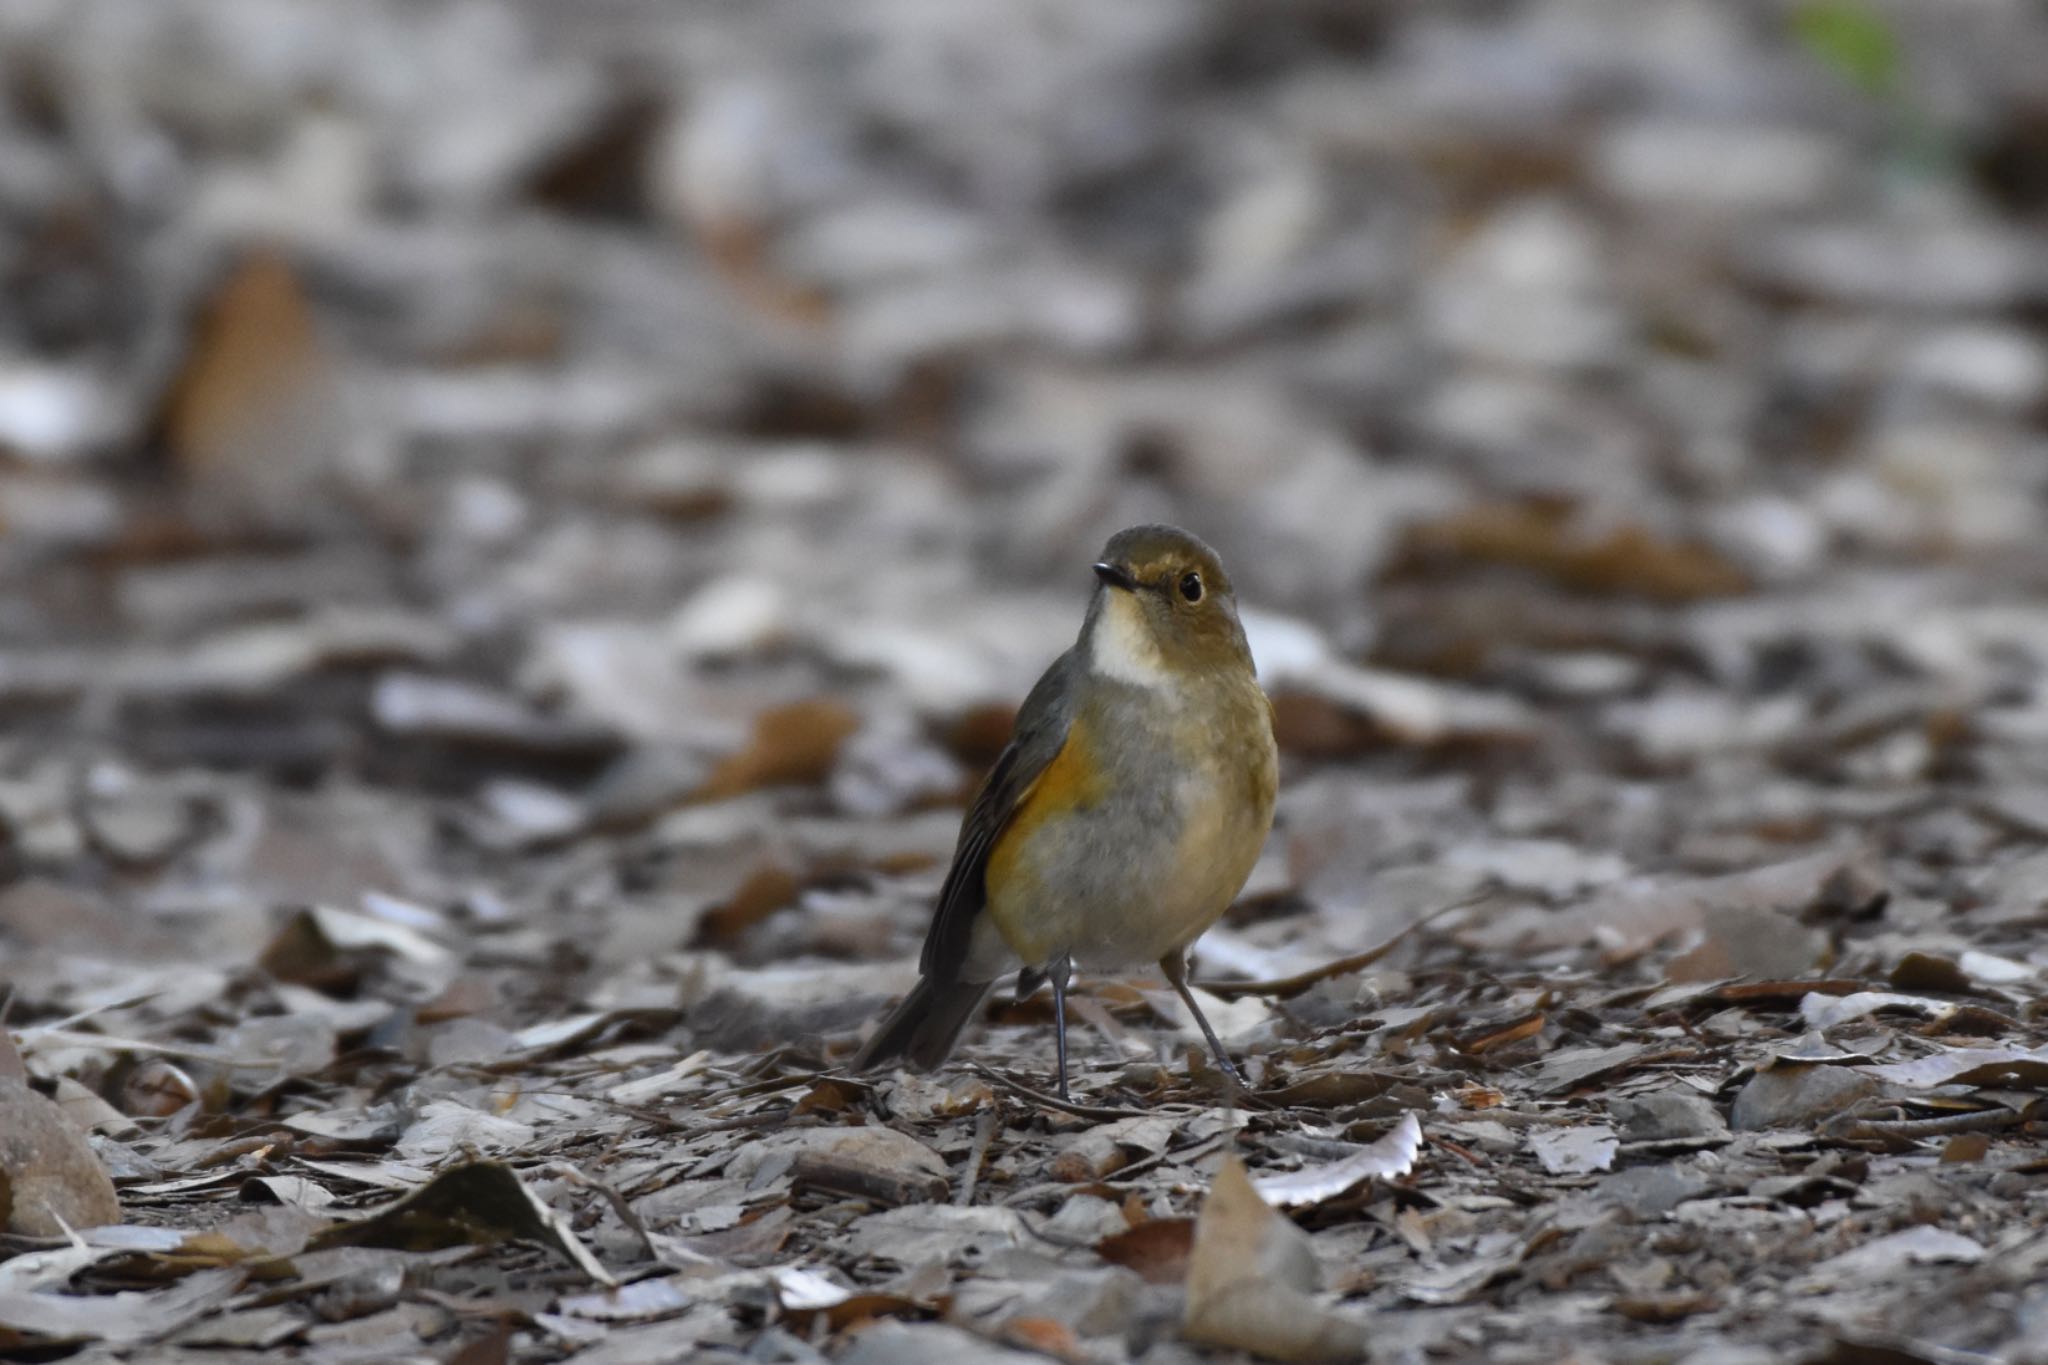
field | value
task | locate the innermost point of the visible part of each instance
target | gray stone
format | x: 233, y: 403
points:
x: 1664, y: 1115
x: 1793, y: 1096
x: 1651, y: 1191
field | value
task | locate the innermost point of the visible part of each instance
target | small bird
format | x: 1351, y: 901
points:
x: 1124, y: 815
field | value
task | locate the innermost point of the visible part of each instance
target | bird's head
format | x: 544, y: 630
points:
x: 1163, y: 610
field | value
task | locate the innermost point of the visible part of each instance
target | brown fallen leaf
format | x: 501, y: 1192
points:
x: 1748, y: 940
x: 466, y: 995
x: 1089, y: 1157
x: 874, y: 1163
x: 1158, y: 1250
x: 256, y: 411
x: 1965, y: 1147
x: 793, y: 744
x: 1045, y: 1336
x: 1772, y: 992
x: 768, y: 888
x: 477, y: 1203
x: 492, y: 1348
x: 328, y: 948
x: 1316, y: 727
x: 1528, y: 1026
x: 1621, y: 560
x: 977, y: 735
x: 49, y: 1178
x: 1674, y: 1306
x: 1252, y: 1278
x: 156, y: 1088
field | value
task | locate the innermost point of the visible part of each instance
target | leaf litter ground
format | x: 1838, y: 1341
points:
x: 510, y: 577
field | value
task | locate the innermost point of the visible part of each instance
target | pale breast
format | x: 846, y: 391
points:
x: 1152, y: 863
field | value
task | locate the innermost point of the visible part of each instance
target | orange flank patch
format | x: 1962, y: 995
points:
x: 1072, y: 781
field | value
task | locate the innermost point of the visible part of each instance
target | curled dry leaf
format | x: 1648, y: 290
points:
x: 1921, y: 1245
x: 768, y: 888
x: 1158, y: 1249
x: 255, y: 414
x: 320, y: 946
x: 1945, y: 1016
x: 128, y: 1318
x: 2008, y: 1067
x: 1288, y: 986
x: 1577, y: 1150
x: 1252, y: 1278
x: 482, y: 1201
x: 1631, y: 918
x: 793, y: 744
x: 1619, y: 559
x: 49, y: 1178
x: 156, y: 1088
x: 871, y: 1163
x: 1391, y: 1156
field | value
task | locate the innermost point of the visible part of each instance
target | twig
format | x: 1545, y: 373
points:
x: 623, y: 1210
x: 1284, y: 987
x: 849, y: 1173
x: 985, y: 1129
x: 1851, y: 1127
x: 1040, y: 1097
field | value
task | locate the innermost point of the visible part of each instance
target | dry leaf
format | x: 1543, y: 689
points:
x: 1158, y: 1250
x: 480, y: 1202
x: 256, y: 411
x: 49, y: 1178
x: 492, y: 1348
x: 1624, y: 560
x: 1044, y: 1335
x: 768, y: 888
x: 126, y: 1318
x: 1629, y: 919
x: 2004, y: 1067
x: 1391, y: 1156
x: 1577, y: 1150
x: 1252, y: 1278
x: 871, y: 1163
x: 793, y: 744
x: 323, y: 946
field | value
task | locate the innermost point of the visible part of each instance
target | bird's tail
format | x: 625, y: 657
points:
x: 924, y: 1028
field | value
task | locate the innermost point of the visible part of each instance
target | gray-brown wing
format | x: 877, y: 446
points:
x: 1041, y: 730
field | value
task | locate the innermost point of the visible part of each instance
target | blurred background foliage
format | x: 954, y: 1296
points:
x: 768, y: 323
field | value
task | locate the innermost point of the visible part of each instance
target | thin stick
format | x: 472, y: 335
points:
x: 1286, y: 986
x: 985, y: 1128
x: 1018, y: 1088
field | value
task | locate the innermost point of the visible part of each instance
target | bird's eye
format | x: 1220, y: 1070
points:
x: 1191, y: 587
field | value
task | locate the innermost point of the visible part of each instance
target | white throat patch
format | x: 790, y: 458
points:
x: 1121, y: 645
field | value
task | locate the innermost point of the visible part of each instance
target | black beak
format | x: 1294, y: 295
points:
x: 1116, y: 577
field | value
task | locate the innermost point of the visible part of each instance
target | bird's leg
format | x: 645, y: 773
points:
x: 1175, y: 965
x: 1059, y: 973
